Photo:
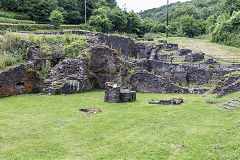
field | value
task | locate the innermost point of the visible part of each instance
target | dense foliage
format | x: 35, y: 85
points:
x: 39, y: 10
x: 102, y: 15
x: 217, y: 18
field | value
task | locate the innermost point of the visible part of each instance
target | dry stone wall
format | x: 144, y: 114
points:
x: 70, y: 76
x: 17, y: 81
x: 147, y: 82
x: 124, y: 46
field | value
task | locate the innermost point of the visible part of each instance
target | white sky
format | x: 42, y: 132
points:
x: 138, y: 5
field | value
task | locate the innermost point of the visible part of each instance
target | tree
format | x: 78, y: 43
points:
x: 189, y: 10
x: 147, y: 26
x: 190, y: 26
x: 100, y: 20
x: 119, y: 19
x: 227, y: 32
x: 230, y: 6
x: 158, y: 28
x: 56, y: 18
x: 134, y: 23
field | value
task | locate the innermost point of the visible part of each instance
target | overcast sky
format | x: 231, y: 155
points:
x: 138, y: 5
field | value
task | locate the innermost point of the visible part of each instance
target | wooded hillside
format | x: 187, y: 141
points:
x: 220, y: 19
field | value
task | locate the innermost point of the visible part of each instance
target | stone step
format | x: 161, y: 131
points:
x: 230, y: 105
x: 220, y: 108
x: 235, y: 103
x: 236, y: 100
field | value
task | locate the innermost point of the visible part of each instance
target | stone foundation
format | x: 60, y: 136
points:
x: 174, y: 101
x: 113, y: 94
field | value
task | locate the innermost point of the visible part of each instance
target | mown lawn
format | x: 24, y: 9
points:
x: 52, y: 127
x: 224, y: 54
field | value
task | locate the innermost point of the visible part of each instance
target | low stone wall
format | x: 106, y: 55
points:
x: 171, y: 47
x: 150, y: 83
x: 183, y: 52
x: 179, y: 73
x: 234, y: 87
x: 16, y: 81
x: 145, y: 50
x: 194, y: 57
x: 227, y: 85
x: 127, y: 95
x: 174, y: 101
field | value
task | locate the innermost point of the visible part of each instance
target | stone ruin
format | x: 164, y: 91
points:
x: 194, y: 57
x: 17, y: 80
x: 122, y: 61
x: 174, y: 101
x: 183, y: 52
x: 171, y: 47
x: 113, y: 94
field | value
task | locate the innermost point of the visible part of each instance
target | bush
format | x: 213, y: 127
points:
x: 13, y: 50
x: 75, y: 48
x: 56, y: 18
x: 158, y: 28
x: 14, y: 15
x: 6, y: 60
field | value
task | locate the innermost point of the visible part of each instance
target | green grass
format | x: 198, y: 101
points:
x: 224, y: 54
x: 52, y: 127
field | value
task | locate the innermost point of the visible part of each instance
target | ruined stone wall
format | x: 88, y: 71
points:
x: 150, y: 83
x: 104, y: 63
x: 124, y: 46
x: 234, y: 87
x: 69, y: 76
x: 179, y: 73
x: 16, y: 81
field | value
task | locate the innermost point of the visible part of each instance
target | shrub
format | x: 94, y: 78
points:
x: 44, y: 70
x: 14, y: 15
x: 75, y: 48
x: 158, y: 28
x: 56, y: 18
x: 6, y: 60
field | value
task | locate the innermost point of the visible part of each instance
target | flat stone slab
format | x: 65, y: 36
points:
x: 174, y: 101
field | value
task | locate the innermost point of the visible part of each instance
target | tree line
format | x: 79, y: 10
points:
x: 218, y: 19
x: 104, y: 15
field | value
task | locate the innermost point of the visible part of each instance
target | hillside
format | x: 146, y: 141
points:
x: 218, y: 19
x: 203, y: 9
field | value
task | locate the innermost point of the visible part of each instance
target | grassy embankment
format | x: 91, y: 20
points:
x: 221, y: 53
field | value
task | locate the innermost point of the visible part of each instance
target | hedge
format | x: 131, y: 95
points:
x: 24, y: 27
x: 33, y: 27
x: 14, y: 21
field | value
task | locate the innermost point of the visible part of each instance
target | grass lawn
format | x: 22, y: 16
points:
x: 52, y: 127
x: 224, y: 54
